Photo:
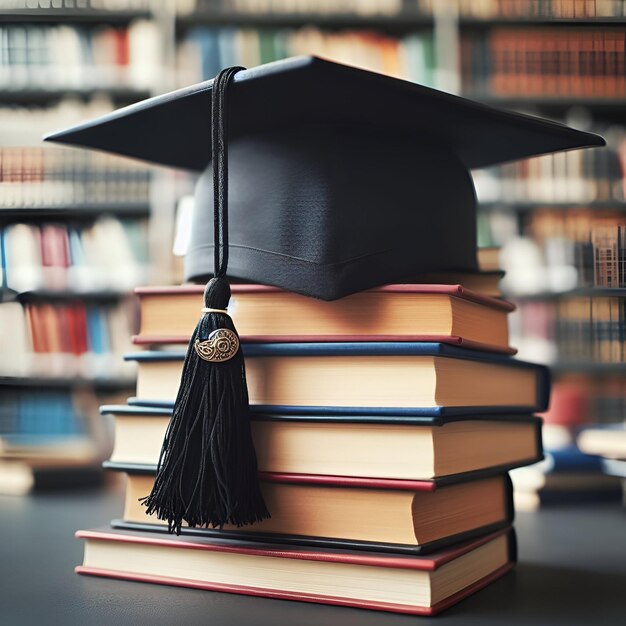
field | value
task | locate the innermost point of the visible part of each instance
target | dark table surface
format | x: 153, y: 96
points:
x: 572, y: 570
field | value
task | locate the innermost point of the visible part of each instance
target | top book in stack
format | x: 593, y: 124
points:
x: 434, y: 313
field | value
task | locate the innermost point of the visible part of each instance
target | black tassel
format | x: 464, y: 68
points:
x: 207, y: 472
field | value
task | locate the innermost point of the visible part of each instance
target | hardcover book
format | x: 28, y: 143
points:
x: 408, y: 584
x: 394, y: 446
x: 362, y: 378
x: 366, y: 513
x: 446, y: 313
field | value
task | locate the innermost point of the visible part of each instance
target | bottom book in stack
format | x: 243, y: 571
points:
x: 356, y: 503
x: 372, y: 580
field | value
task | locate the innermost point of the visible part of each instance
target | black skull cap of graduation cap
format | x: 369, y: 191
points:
x: 340, y: 179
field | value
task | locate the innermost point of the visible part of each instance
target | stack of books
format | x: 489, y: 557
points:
x: 384, y: 423
x: 570, y: 474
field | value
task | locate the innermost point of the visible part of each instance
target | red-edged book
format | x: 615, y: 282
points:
x: 383, y: 582
x: 436, y: 313
x: 403, y: 516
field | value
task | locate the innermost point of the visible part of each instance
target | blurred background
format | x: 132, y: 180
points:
x: 79, y: 231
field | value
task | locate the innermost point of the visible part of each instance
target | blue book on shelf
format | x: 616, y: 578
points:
x: 97, y: 333
x: 571, y: 459
x: 374, y: 349
x: 208, y: 44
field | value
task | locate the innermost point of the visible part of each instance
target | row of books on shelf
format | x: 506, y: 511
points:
x: 556, y: 250
x: 32, y: 177
x: 358, y: 8
x: 68, y: 339
x: 49, y: 439
x: 485, y: 9
x: 477, y: 9
x: 63, y: 56
x: 573, y: 330
x: 406, y: 469
x: 575, y: 176
x: 507, y: 62
x: 205, y: 50
x: 530, y: 63
x: 30, y: 418
x: 94, y: 5
x: 108, y: 254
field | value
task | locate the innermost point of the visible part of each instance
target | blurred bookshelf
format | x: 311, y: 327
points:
x: 74, y: 227
x: 552, y: 217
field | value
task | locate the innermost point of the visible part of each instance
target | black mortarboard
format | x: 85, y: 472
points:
x: 339, y: 179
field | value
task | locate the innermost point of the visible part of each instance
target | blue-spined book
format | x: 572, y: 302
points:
x: 409, y: 379
x: 379, y: 441
x: 571, y: 459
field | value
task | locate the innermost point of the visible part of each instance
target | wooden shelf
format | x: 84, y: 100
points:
x: 472, y: 22
x: 74, y: 212
x: 525, y: 206
x: 104, y: 384
x: 405, y: 21
x: 69, y: 294
x: 75, y: 16
x: 598, y: 369
x: 120, y: 95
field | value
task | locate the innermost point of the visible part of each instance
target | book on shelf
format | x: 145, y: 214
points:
x: 365, y: 513
x: 567, y: 475
x: 204, y: 50
x: 33, y: 177
x: 106, y: 254
x: 66, y: 56
x: 558, y: 250
x: 571, y: 329
x: 493, y: 9
x: 19, y: 477
x: 380, y: 581
x: 28, y: 415
x: 530, y: 62
x: 608, y: 441
x: 396, y: 446
x: 447, y: 313
x: 65, y: 337
x: 589, y: 177
x: 419, y: 378
x: 49, y: 439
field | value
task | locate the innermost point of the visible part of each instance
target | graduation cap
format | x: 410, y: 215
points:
x: 326, y: 180
x: 339, y: 179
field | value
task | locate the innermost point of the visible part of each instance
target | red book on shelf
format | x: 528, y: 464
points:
x: 80, y: 329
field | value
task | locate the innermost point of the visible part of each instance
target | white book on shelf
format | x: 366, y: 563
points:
x: 23, y: 257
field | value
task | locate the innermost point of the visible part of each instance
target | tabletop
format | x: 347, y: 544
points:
x: 571, y: 570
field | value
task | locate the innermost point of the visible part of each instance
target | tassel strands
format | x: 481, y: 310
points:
x: 207, y: 471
